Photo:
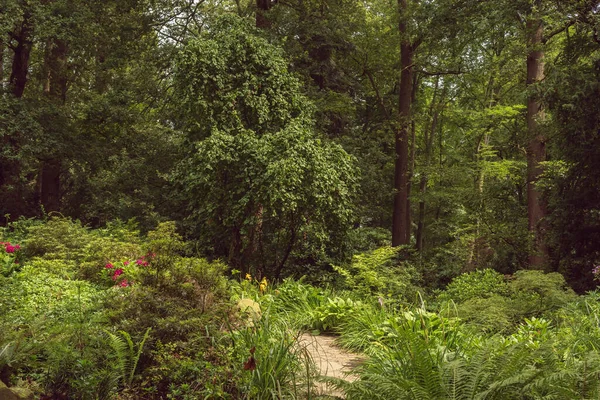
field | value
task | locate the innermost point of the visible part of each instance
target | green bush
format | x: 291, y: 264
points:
x: 489, y: 314
x: 58, y: 238
x: 380, y: 273
x: 535, y: 292
x: 485, y: 300
x: 478, y: 284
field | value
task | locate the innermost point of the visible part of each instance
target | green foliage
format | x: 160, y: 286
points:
x: 492, y: 304
x: 273, y: 360
x: 369, y: 329
x: 193, y: 370
x: 571, y: 181
x: 126, y: 356
x: 380, y: 273
x: 535, y: 292
x: 33, y: 295
x: 257, y: 172
x: 231, y: 79
x: 308, y: 307
x: 479, y: 284
x: 299, y: 302
x: 490, y: 314
x: 59, y: 238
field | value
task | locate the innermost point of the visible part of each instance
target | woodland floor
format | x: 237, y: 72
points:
x: 331, y: 361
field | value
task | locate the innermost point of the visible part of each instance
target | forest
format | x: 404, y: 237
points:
x: 193, y: 190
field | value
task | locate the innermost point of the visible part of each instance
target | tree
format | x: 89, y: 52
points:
x: 77, y: 101
x: 536, y: 147
x: 258, y: 180
x: 571, y: 180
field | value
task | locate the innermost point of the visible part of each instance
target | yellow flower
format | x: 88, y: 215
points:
x: 263, y: 285
x: 248, y: 277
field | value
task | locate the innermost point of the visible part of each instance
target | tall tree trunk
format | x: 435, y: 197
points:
x: 22, y: 50
x: 56, y: 89
x: 536, y: 149
x: 399, y: 219
x: 262, y: 6
x: 279, y: 265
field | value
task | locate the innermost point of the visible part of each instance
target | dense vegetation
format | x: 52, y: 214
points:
x: 186, y: 185
x: 108, y: 313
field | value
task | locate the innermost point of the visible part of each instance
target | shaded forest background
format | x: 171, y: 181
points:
x: 284, y: 137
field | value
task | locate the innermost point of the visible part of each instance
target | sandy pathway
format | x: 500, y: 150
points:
x: 331, y: 361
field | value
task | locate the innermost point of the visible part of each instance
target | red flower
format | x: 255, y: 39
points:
x: 124, y: 283
x: 116, y: 274
x: 109, y: 266
x: 125, y: 263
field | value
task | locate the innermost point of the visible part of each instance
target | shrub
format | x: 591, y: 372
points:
x: 490, y: 315
x: 58, y: 238
x: 479, y: 284
x: 379, y: 273
x: 535, y: 293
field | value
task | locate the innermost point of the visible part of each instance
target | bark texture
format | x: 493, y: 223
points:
x: 536, y: 148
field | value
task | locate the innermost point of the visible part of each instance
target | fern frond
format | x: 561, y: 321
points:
x: 136, y: 359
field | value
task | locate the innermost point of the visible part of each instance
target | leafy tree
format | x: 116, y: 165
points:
x: 259, y: 181
x: 571, y: 179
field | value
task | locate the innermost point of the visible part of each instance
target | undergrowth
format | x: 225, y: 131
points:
x: 108, y: 313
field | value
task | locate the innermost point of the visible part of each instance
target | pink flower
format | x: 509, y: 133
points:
x: 124, y: 283
x: 109, y: 266
x: 10, y: 248
x: 125, y: 263
x: 116, y: 274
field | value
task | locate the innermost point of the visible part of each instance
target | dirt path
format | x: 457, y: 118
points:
x: 331, y: 361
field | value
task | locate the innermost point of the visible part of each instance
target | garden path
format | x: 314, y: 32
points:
x: 331, y: 361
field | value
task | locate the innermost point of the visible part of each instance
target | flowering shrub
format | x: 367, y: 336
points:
x: 121, y: 273
x: 9, y: 258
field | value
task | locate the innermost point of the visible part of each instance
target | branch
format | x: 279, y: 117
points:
x: 558, y: 30
x: 381, y: 103
x: 417, y: 43
x: 438, y: 73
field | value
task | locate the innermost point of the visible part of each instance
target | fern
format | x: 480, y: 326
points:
x: 126, y: 354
